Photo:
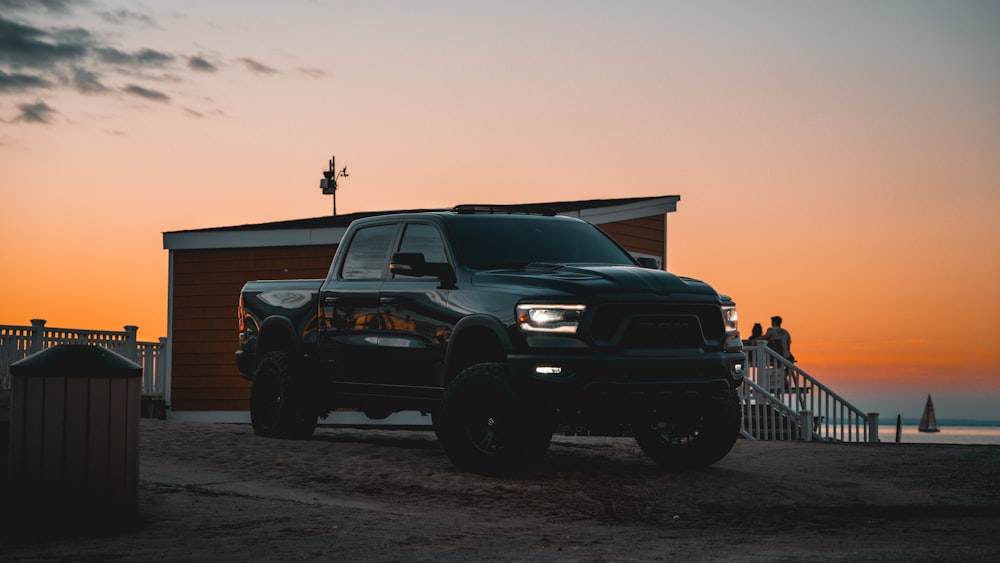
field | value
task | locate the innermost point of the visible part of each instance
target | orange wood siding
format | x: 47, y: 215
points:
x: 645, y: 235
x: 206, y: 290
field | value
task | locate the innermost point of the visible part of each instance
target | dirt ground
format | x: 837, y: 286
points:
x: 217, y: 492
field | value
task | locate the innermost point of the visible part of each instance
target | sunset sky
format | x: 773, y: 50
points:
x: 838, y: 163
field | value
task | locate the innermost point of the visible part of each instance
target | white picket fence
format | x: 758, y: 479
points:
x: 18, y: 342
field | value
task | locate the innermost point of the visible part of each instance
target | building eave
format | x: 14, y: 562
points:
x: 197, y: 240
x: 330, y: 230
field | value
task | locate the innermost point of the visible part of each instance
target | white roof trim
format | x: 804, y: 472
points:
x: 611, y: 214
x: 197, y: 240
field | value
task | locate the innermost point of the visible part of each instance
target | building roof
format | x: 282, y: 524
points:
x: 330, y: 229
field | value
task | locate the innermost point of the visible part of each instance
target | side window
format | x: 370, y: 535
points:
x: 366, y: 257
x: 426, y: 240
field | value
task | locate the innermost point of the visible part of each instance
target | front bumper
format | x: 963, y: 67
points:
x: 617, y: 386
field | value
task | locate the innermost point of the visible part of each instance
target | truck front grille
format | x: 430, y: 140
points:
x: 644, y: 326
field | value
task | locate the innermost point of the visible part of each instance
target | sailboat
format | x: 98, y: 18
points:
x: 928, y: 422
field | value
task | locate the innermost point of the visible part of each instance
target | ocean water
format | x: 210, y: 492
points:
x: 949, y: 434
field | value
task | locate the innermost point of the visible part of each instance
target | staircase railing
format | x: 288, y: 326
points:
x: 18, y: 342
x: 765, y: 417
x: 781, y: 402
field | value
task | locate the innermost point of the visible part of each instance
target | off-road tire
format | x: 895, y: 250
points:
x: 279, y: 402
x: 692, y: 442
x: 485, y: 428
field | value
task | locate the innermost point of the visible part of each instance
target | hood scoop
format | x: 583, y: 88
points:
x: 561, y: 271
x: 543, y: 267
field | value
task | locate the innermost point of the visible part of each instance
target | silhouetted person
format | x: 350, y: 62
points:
x: 779, y: 340
x: 756, y: 333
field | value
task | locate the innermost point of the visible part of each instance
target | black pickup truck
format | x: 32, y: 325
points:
x: 505, y: 325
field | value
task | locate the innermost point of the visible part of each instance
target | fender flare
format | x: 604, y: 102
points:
x: 277, y: 333
x: 474, y: 322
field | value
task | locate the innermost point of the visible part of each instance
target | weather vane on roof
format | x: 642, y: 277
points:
x: 329, y: 182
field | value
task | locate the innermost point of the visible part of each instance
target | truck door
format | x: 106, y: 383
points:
x: 349, y: 321
x: 415, y: 317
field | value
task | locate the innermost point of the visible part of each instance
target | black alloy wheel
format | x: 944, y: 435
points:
x: 485, y: 428
x: 277, y: 402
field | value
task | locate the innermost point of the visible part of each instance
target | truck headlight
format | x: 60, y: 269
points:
x: 549, y: 318
x: 730, y: 317
x: 731, y: 321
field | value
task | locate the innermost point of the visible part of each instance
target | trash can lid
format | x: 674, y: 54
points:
x: 76, y: 360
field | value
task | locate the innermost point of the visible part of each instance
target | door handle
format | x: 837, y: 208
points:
x: 387, y: 300
x: 330, y: 300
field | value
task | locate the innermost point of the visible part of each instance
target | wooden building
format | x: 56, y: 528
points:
x: 208, y: 267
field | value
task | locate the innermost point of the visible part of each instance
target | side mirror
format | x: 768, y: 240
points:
x: 647, y: 262
x: 408, y: 264
x: 414, y: 265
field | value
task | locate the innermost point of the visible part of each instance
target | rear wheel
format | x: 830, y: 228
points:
x: 485, y: 428
x: 278, y: 401
x: 691, y: 441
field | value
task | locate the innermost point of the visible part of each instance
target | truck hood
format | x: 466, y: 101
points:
x: 583, y: 280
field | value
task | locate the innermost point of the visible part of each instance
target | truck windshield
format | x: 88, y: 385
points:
x: 502, y: 241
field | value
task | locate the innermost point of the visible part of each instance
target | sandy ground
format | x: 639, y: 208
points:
x: 217, y: 492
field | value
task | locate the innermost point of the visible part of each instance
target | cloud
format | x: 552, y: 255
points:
x: 141, y: 58
x: 313, y: 72
x: 201, y: 64
x: 34, y: 58
x: 149, y: 94
x: 37, y: 54
x: 21, y: 82
x: 22, y: 45
x: 127, y: 17
x: 54, y: 6
x: 256, y: 67
x: 88, y: 82
x: 38, y: 112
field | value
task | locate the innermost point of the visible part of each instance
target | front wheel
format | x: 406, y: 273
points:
x: 694, y: 440
x: 278, y: 402
x: 484, y: 426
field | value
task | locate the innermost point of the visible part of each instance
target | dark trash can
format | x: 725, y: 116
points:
x: 74, y: 432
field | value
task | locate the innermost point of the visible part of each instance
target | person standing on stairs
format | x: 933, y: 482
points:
x: 779, y: 340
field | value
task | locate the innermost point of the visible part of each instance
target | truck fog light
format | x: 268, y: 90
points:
x: 548, y: 370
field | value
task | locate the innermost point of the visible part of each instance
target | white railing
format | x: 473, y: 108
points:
x: 765, y: 417
x: 782, y: 402
x: 18, y: 342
